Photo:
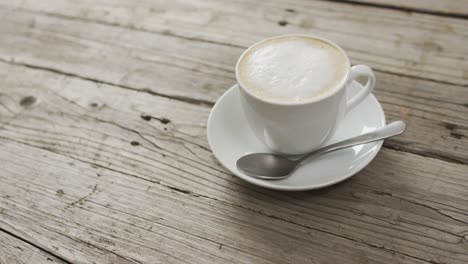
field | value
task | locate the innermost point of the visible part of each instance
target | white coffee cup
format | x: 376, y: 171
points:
x: 299, y: 126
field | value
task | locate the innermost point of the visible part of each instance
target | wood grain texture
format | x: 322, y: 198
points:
x: 70, y: 159
x: 199, y: 72
x: 414, y: 44
x: 104, y: 157
x: 15, y: 251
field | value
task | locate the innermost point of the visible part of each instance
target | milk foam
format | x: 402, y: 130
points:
x: 292, y: 68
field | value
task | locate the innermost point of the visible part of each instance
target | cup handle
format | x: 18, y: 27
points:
x: 357, y: 71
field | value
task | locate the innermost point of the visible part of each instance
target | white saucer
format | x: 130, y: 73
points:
x: 230, y: 138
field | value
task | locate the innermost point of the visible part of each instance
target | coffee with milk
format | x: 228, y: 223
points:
x: 292, y: 69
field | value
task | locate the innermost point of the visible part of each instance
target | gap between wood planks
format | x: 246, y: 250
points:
x: 209, y: 104
x: 399, y: 8
x: 144, y: 90
x: 34, y: 245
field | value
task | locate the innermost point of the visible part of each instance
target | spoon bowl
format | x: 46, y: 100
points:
x: 266, y: 166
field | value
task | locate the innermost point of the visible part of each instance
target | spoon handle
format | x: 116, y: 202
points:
x: 390, y: 130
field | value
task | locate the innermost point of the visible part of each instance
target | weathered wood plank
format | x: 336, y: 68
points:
x: 126, y: 220
x: 15, y: 251
x: 436, y: 114
x: 454, y: 8
x: 163, y: 64
x: 200, y: 72
x: 82, y: 175
x: 413, y: 44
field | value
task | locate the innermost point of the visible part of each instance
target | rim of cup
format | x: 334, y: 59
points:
x: 302, y: 102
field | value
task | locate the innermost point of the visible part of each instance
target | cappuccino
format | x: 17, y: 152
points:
x: 292, y: 68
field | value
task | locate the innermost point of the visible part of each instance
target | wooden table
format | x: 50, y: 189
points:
x: 103, y: 149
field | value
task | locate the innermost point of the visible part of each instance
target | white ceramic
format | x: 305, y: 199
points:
x: 230, y: 137
x: 295, y: 128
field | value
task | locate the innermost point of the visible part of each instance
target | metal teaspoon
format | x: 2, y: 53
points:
x: 270, y: 166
